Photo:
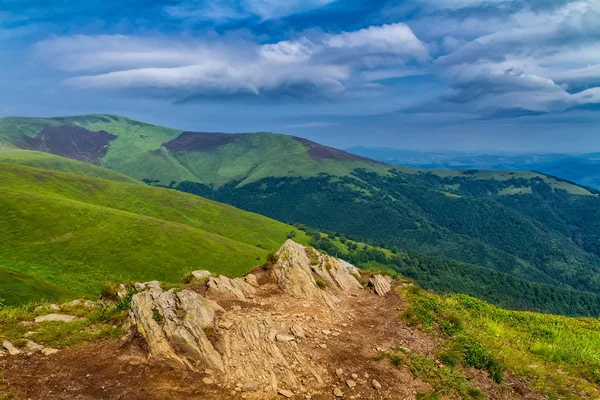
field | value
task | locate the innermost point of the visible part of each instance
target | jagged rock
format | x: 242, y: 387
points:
x: 337, y: 392
x: 33, y: 346
x: 381, y: 284
x: 237, y: 289
x: 286, y: 393
x: 339, y: 372
x: 351, y: 384
x: 251, y: 279
x: 54, y: 318
x: 284, y: 338
x: 12, y: 350
x: 202, y: 274
x: 298, y: 332
x: 48, y: 351
x: 316, y: 277
x: 376, y: 385
x: 173, y: 324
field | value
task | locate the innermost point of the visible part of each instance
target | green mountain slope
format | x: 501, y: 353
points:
x: 534, y: 227
x: 77, y: 232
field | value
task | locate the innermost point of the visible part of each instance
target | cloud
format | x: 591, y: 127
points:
x: 322, y: 66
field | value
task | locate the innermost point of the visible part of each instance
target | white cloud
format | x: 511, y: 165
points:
x: 315, y: 67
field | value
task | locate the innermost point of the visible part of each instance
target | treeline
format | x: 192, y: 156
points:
x: 448, y: 276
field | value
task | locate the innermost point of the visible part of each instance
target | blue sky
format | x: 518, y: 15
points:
x: 497, y: 75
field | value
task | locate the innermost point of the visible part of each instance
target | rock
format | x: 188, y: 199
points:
x: 202, y: 274
x: 337, y: 392
x: 354, y: 376
x: 295, y: 270
x: 2, y: 353
x: 251, y: 279
x: 381, y: 284
x: 339, y: 372
x: 235, y: 289
x: 284, y: 338
x: 12, y: 350
x: 55, y: 318
x: 286, y: 393
x: 225, y: 324
x: 351, y: 384
x: 29, y: 334
x: 173, y: 325
x: 298, y: 331
x: 251, y: 386
x: 140, y: 286
x: 376, y: 385
x: 323, y: 345
x: 236, y: 308
x: 326, y: 332
x: 48, y: 351
x: 33, y: 346
x: 208, y: 381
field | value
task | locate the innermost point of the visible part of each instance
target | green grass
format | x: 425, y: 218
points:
x: 78, y: 232
x: 56, y: 163
x: 558, y: 356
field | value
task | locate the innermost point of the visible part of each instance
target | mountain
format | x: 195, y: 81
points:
x: 164, y: 155
x: 583, y: 169
x: 534, y: 228
x: 65, y: 235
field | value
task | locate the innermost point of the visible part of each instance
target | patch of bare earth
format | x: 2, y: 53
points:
x: 342, y: 342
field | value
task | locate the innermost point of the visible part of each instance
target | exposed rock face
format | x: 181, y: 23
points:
x: 306, y: 274
x: 174, y: 326
x: 254, y: 349
x: 381, y: 284
x: 237, y: 289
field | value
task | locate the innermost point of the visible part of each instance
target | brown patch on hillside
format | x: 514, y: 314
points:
x: 319, y: 152
x: 201, y: 141
x: 71, y: 142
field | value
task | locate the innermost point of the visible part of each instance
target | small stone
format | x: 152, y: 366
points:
x: 54, y: 307
x: 339, y: 372
x: 326, y: 332
x: 202, y: 274
x: 298, y: 331
x: 208, y: 381
x: 376, y: 385
x: 251, y: 386
x: 354, y: 376
x: 337, y: 392
x: 351, y: 384
x: 48, y: 351
x: 33, y: 346
x: 272, y: 335
x: 55, y: 318
x: 236, y: 308
x: 286, y: 393
x: 323, y: 346
x: 12, y: 350
x: 30, y: 333
x: 284, y: 338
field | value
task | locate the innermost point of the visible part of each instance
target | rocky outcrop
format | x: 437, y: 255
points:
x: 251, y: 348
x: 54, y: 318
x: 306, y: 274
x: 381, y: 284
x: 240, y: 289
x: 176, y: 326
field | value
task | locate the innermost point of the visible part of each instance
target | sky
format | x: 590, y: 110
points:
x: 496, y: 75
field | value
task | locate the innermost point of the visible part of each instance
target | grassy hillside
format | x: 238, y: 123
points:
x: 55, y: 163
x: 557, y: 356
x: 536, y: 228
x: 78, y: 232
x: 164, y: 155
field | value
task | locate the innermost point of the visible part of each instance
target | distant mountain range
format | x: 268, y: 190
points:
x: 520, y: 239
x: 583, y: 169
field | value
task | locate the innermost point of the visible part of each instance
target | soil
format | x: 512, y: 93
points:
x: 72, y: 142
x: 355, y: 332
x: 318, y: 152
x: 201, y: 141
